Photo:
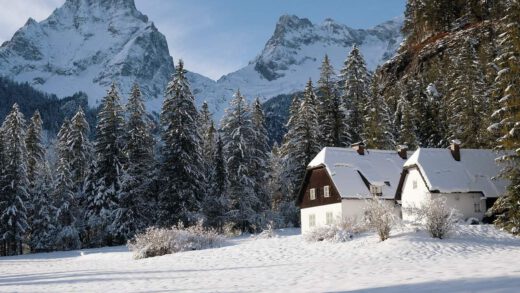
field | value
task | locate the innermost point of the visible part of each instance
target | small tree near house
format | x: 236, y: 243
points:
x: 380, y: 216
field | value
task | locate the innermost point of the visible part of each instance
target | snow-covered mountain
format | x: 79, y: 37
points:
x: 85, y: 45
x: 294, y: 54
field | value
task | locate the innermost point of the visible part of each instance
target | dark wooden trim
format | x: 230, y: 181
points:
x: 317, y: 177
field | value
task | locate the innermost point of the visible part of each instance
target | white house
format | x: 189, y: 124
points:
x: 465, y: 177
x: 339, y: 180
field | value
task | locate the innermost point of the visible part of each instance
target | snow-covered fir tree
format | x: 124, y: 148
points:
x: 110, y: 158
x: 377, y: 121
x: 14, y: 183
x: 300, y: 143
x: 208, y: 135
x: 43, y: 220
x: 355, y: 80
x: 67, y: 233
x: 216, y: 202
x: 260, y: 154
x: 238, y: 135
x: 135, y: 205
x: 403, y: 123
x: 35, y: 149
x: 181, y: 171
x: 507, y: 208
x: 79, y: 145
x: 331, y: 113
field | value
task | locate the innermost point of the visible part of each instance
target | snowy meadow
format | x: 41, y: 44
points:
x: 474, y: 259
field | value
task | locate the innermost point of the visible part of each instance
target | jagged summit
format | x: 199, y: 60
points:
x: 85, y: 45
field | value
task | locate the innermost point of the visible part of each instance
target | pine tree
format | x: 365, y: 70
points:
x: 109, y: 163
x: 377, y: 122
x: 182, y: 163
x: 134, y: 211
x: 403, y: 122
x: 43, y: 220
x: 208, y: 144
x: 300, y: 143
x: 356, y: 83
x: 14, y: 183
x: 507, y: 207
x: 67, y: 234
x: 260, y: 154
x: 79, y: 145
x: 331, y: 113
x: 216, y: 201
x: 238, y: 134
x: 35, y: 149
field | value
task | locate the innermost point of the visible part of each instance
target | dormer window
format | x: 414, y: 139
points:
x: 326, y: 191
x: 312, y: 192
x: 376, y: 190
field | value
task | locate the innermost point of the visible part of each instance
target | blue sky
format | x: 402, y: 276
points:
x: 215, y: 37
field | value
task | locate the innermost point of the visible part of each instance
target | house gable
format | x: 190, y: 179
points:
x: 317, y: 178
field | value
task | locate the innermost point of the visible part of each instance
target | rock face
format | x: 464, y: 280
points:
x: 294, y: 54
x: 85, y: 45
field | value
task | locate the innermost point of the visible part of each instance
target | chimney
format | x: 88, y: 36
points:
x: 359, y: 147
x: 402, y: 151
x: 455, y: 149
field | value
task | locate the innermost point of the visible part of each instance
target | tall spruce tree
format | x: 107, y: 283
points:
x: 14, y: 183
x: 403, y: 123
x: 110, y: 159
x: 35, y: 150
x: 507, y: 207
x: 377, y: 121
x: 331, y: 113
x: 300, y: 144
x: 238, y: 134
x: 355, y: 80
x: 79, y: 145
x: 182, y: 163
x: 208, y: 135
x: 135, y: 205
x: 43, y: 220
x: 260, y: 154
x: 67, y: 233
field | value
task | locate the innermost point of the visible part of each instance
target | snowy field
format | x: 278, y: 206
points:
x: 476, y: 259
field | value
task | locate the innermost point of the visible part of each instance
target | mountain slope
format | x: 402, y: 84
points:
x: 85, y: 45
x: 294, y: 54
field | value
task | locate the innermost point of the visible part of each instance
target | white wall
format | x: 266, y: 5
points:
x: 414, y: 197
x: 321, y: 215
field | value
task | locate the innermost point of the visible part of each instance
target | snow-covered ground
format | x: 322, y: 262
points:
x: 476, y: 259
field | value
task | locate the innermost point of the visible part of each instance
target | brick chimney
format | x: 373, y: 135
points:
x: 402, y: 151
x: 359, y: 147
x: 455, y: 149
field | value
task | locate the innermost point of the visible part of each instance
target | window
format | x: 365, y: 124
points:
x: 312, y: 193
x: 477, y: 207
x: 326, y: 191
x: 414, y: 184
x: 376, y: 190
x: 312, y: 220
x: 329, y: 218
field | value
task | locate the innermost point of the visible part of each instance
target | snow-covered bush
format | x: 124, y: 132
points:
x: 161, y: 241
x: 267, y: 233
x: 437, y: 217
x: 380, y: 216
x: 341, y: 231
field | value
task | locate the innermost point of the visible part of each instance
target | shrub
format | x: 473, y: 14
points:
x: 380, y: 216
x: 161, y: 241
x: 341, y: 231
x: 268, y: 232
x: 437, y: 217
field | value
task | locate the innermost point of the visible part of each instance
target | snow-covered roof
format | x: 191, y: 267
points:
x: 473, y: 173
x: 347, y: 168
